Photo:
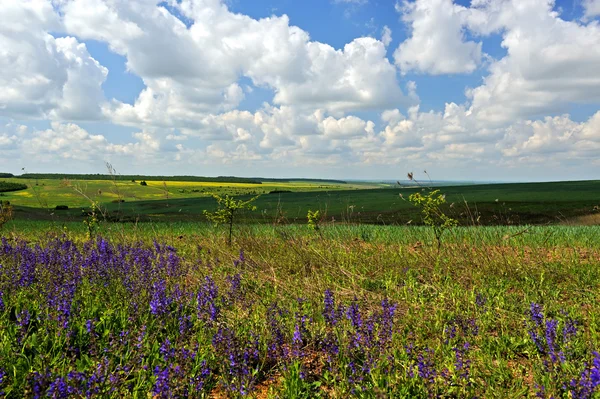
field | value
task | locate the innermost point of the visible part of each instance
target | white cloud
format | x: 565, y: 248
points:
x: 283, y: 138
x: 437, y: 44
x: 550, y: 62
x: 42, y: 76
x: 350, y: 126
x: 68, y: 142
x: 553, y: 135
x: 592, y: 8
x: 7, y: 141
x: 191, y: 72
x: 386, y: 36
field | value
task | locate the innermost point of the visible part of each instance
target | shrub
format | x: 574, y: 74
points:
x: 61, y: 208
x: 433, y: 216
x: 91, y: 220
x: 143, y: 183
x: 228, y: 208
x: 314, y: 220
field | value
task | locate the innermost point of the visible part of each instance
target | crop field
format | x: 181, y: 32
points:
x: 289, y: 202
x: 168, y: 310
x: 48, y: 193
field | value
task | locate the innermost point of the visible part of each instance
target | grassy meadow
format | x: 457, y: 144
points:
x: 169, y: 310
x: 367, y: 305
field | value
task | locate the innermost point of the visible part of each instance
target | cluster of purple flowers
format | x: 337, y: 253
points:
x: 554, y: 341
x: 106, y: 320
x: 544, y: 333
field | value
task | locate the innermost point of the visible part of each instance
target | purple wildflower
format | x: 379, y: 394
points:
x: 462, y: 366
x: 353, y: 314
x: 161, y: 386
x: 535, y: 313
x: 426, y: 365
x: 329, y: 308
x: 160, y: 302
x: 589, y: 380
x: 480, y: 300
x: 550, y: 333
x: 89, y: 326
x: 207, y: 300
x: 58, y: 388
x: 235, y: 288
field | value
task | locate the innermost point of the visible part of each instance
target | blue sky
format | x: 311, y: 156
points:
x: 494, y: 90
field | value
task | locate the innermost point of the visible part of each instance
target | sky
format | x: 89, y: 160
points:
x: 483, y: 90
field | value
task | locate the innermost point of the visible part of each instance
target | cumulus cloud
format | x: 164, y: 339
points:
x: 42, y: 76
x: 68, y: 141
x: 437, y: 44
x: 194, y: 70
x: 284, y: 137
x: 7, y: 141
x: 550, y: 62
x: 551, y: 136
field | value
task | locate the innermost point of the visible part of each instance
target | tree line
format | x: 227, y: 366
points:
x: 219, y: 179
x: 8, y: 186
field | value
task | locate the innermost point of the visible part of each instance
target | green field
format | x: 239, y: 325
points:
x: 487, y: 204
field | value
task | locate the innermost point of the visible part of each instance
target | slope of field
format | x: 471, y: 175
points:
x: 521, y: 203
x: 484, y: 204
x: 48, y: 193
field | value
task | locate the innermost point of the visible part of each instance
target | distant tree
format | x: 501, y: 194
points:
x: 143, y: 183
x: 228, y: 208
x: 9, y: 186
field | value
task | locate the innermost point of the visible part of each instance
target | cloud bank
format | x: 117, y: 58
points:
x: 351, y: 107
